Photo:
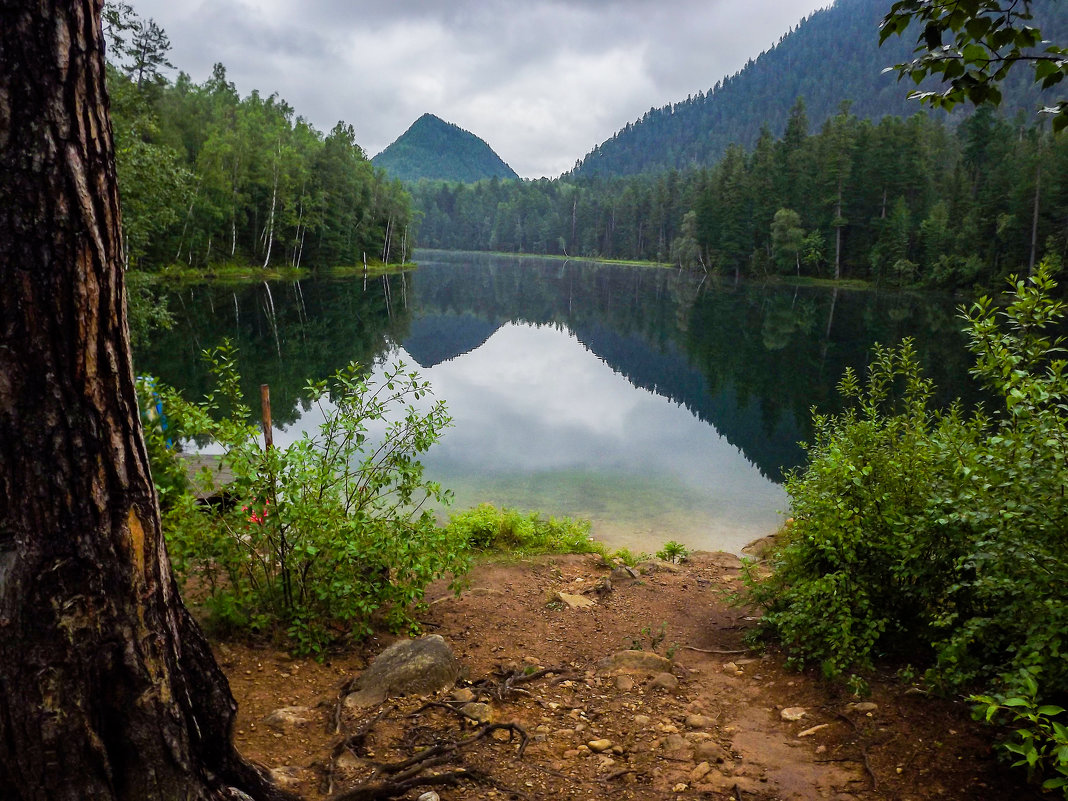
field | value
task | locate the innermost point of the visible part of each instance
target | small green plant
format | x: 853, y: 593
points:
x: 323, y: 535
x: 673, y: 552
x: 1040, y: 744
x: 648, y: 639
x: 487, y: 529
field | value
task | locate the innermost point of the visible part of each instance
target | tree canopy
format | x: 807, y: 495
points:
x: 971, y: 46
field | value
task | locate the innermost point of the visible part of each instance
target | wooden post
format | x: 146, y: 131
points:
x: 265, y: 403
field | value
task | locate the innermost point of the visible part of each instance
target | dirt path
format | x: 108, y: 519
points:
x: 725, y: 732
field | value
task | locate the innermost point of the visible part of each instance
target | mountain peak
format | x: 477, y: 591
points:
x: 437, y: 150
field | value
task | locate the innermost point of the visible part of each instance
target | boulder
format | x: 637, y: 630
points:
x: 408, y: 667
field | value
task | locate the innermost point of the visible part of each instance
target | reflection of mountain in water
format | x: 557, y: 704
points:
x: 749, y: 360
x: 670, y: 375
x: 437, y: 338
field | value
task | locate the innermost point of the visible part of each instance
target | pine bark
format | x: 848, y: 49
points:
x: 108, y: 690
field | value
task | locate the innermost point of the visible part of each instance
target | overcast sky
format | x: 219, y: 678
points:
x: 542, y: 81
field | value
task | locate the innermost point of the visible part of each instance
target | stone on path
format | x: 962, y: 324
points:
x: 408, y: 667
x: 792, y: 713
x: 289, y: 717
x: 575, y: 601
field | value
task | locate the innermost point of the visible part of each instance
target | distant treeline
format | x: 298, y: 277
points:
x: 906, y: 201
x: 207, y: 177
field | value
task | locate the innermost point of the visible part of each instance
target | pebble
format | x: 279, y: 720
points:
x: 700, y: 772
x: 463, y: 695
x: 624, y: 683
x: 813, y: 730
x: 792, y: 713
x: 642, y: 720
x: 664, y: 681
x: 599, y: 746
x: 480, y: 713
x: 699, y: 721
x: 430, y: 795
x: 710, y: 751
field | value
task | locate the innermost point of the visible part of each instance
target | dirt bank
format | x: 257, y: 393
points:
x: 738, y: 725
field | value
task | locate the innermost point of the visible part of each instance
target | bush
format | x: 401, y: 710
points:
x: 325, y: 534
x: 491, y: 530
x: 938, y: 532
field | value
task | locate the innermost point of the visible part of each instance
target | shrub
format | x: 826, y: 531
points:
x: 941, y: 532
x: 324, y: 534
x: 491, y: 530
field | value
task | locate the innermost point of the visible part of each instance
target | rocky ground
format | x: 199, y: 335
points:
x: 538, y: 713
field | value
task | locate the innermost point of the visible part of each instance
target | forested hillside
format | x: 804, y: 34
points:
x: 208, y: 177
x: 831, y: 56
x: 908, y: 201
x: 437, y: 150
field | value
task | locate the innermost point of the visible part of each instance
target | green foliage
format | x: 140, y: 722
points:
x: 888, y: 188
x: 328, y: 533
x: 628, y: 557
x: 207, y: 177
x: 1040, y: 743
x: 647, y: 637
x: 487, y: 529
x: 673, y: 552
x: 936, y: 532
x: 986, y: 39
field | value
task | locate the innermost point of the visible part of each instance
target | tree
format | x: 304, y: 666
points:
x: 787, y: 236
x: 108, y: 689
x: 987, y: 38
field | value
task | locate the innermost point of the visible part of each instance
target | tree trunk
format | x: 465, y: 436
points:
x: 108, y: 689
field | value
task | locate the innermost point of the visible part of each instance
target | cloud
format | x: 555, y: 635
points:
x: 542, y: 82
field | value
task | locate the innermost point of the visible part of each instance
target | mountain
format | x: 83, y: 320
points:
x: 440, y: 151
x: 830, y: 57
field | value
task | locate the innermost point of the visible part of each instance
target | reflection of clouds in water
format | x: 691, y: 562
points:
x: 535, y: 397
x: 540, y: 422
x: 534, y: 400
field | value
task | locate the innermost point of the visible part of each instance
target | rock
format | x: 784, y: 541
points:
x: 289, y: 717
x: 675, y: 742
x: 480, y: 713
x: 710, y: 751
x: 813, y: 730
x: 664, y: 681
x: 730, y: 667
x: 699, y: 721
x: 408, y: 667
x: 700, y: 772
x: 463, y: 696
x: 429, y: 795
x: 635, y: 662
x: 624, y: 683
x: 864, y: 707
x: 286, y: 776
x: 642, y: 721
x: 792, y: 713
x: 348, y: 761
x: 599, y: 746
x: 623, y: 574
x: 575, y: 601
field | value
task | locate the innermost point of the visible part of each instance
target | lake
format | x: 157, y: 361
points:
x: 660, y: 405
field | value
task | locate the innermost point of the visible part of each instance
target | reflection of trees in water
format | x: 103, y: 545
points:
x: 286, y: 334
x: 750, y: 360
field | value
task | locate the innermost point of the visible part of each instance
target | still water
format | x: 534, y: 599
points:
x: 659, y: 405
